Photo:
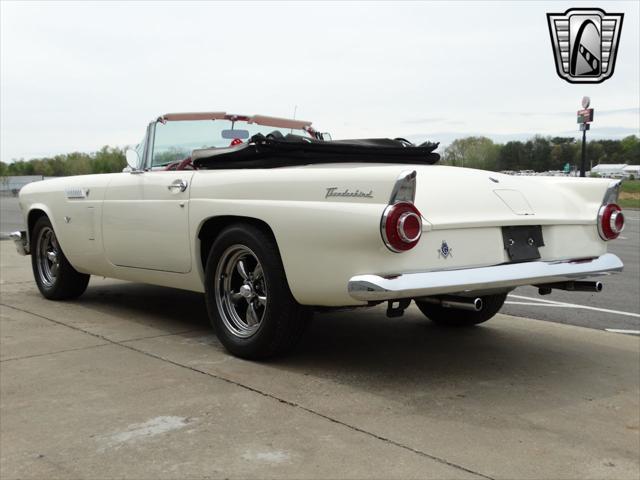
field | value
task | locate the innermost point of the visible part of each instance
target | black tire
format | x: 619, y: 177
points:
x: 455, y: 317
x: 282, y: 320
x: 56, y: 279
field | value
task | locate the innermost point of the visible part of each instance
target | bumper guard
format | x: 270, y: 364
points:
x: 22, y: 244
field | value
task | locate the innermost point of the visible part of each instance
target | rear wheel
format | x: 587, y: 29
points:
x: 54, y: 275
x: 248, y: 298
x: 455, y: 317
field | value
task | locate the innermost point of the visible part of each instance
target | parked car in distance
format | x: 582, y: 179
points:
x: 271, y: 220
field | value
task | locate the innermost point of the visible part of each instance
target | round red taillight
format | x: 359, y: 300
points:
x: 401, y: 226
x: 610, y: 221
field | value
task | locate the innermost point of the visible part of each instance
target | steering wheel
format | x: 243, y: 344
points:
x: 184, y: 164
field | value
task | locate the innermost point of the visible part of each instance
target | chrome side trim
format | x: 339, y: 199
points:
x: 422, y: 284
x: 21, y: 241
x: 404, y: 189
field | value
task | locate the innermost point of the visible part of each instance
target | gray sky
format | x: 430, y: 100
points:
x: 76, y: 76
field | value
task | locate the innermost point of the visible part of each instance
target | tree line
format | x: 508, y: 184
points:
x: 106, y: 160
x: 539, y: 154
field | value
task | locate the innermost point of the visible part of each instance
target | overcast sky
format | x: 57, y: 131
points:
x: 79, y: 75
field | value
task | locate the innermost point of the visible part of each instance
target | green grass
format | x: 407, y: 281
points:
x: 631, y: 186
x: 629, y: 203
x: 630, y: 194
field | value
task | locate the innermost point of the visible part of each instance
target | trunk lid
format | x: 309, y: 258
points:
x: 452, y: 197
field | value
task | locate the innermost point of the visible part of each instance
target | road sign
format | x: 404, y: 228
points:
x: 584, y: 126
x: 585, y: 116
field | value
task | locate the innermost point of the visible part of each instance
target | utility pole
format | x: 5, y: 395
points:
x: 585, y: 117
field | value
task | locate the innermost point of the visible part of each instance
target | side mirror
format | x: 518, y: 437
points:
x: 133, y: 161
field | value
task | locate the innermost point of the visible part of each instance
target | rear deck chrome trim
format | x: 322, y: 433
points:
x: 422, y: 284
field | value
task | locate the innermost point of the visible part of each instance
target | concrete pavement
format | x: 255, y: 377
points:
x: 129, y: 382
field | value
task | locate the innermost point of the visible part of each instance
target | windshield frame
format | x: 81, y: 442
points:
x: 258, y: 120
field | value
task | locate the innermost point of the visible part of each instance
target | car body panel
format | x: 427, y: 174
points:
x: 131, y: 226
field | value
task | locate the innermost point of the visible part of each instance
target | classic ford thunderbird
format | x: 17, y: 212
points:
x: 271, y: 219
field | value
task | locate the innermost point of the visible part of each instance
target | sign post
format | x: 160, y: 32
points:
x: 585, y: 117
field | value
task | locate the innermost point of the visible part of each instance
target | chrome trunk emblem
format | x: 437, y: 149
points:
x: 445, y: 251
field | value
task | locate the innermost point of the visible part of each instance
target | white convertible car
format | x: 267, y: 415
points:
x: 271, y: 219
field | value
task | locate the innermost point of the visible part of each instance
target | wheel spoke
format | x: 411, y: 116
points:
x: 252, y: 316
x: 54, y: 269
x: 240, y: 290
x: 242, y: 271
x: 257, y: 272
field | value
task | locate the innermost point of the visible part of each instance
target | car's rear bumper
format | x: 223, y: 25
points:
x: 22, y: 243
x: 423, y: 284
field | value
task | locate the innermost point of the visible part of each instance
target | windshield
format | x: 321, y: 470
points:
x: 175, y: 140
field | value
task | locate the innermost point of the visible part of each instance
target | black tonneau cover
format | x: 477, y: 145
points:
x: 294, y: 150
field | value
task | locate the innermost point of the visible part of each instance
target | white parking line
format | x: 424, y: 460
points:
x: 552, y: 303
x: 533, y: 304
x: 619, y: 330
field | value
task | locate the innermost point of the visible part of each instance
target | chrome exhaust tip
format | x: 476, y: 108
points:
x: 576, y: 286
x: 462, y: 303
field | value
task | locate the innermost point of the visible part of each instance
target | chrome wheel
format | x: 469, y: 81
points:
x: 49, y: 256
x: 240, y: 291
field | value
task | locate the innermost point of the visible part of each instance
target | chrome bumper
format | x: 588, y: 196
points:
x: 22, y: 244
x: 423, y: 284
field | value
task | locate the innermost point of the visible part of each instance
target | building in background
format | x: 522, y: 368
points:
x: 632, y: 171
x: 615, y: 170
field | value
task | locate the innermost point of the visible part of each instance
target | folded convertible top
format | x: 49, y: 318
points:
x: 293, y: 150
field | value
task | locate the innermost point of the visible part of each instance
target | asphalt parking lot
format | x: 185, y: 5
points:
x: 129, y: 382
x: 10, y: 216
x: 616, y: 307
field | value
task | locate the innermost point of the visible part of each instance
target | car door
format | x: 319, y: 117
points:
x: 146, y: 221
x: 145, y: 217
